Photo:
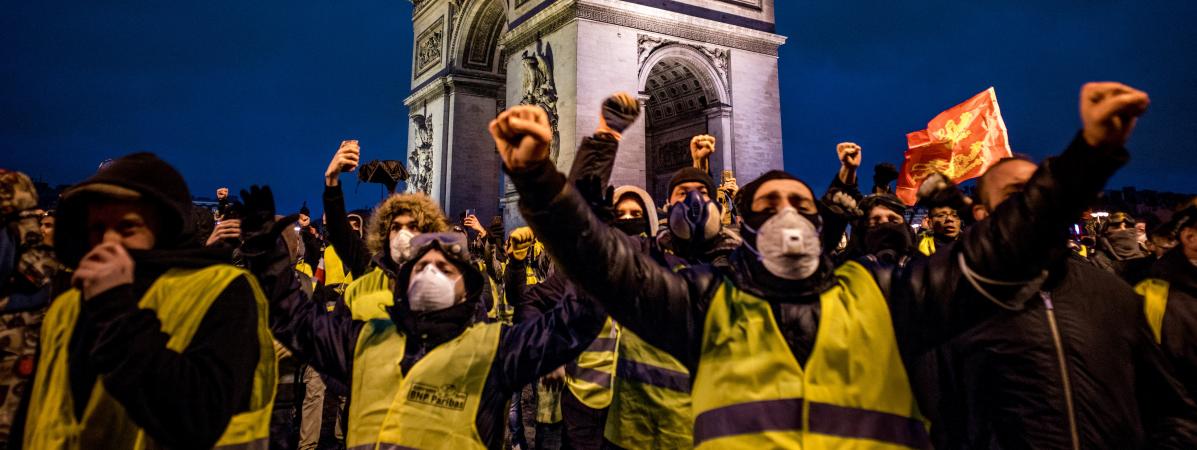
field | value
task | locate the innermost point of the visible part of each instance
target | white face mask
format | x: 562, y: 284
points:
x: 399, y: 245
x: 789, y: 245
x: 431, y: 290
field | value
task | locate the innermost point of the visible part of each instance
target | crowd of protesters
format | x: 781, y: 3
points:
x: 766, y: 315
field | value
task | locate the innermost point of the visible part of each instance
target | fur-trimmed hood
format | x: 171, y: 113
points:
x: 427, y: 214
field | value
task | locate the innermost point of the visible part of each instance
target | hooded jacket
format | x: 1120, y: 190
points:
x: 930, y: 300
x: 116, y: 341
x: 526, y: 351
x: 650, y: 211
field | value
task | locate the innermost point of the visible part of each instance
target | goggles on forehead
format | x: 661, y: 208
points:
x: 454, y: 245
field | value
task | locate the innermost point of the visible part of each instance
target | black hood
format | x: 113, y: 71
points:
x: 140, y: 175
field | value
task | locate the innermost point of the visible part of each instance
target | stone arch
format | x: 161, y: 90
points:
x: 476, y: 40
x: 685, y: 95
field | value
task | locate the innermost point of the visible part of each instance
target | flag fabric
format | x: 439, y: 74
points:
x: 961, y: 143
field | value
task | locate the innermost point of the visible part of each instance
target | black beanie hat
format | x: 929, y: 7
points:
x: 744, y: 197
x: 887, y: 201
x: 134, y: 176
x: 691, y: 174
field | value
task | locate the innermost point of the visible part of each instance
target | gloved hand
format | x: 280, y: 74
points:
x: 619, y: 111
x: 883, y: 175
x: 520, y: 243
x: 258, y: 209
x: 601, y: 201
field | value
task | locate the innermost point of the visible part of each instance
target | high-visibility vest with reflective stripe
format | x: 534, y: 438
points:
x: 927, y: 245
x: 180, y: 298
x: 369, y: 296
x: 334, y: 269
x: 435, y: 405
x: 750, y: 393
x: 651, y: 403
x: 591, y: 376
x: 1155, y: 302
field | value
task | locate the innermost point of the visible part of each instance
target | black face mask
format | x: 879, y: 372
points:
x: 632, y: 227
x: 897, y: 238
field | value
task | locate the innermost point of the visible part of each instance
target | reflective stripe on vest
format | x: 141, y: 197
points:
x: 369, y: 296
x: 180, y: 298
x: 590, y: 377
x: 437, y: 404
x: 1155, y: 303
x: 750, y: 393
x: 650, y: 407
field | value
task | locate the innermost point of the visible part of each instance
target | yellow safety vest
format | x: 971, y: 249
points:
x: 1155, y: 303
x: 927, y: 245
x: 369, y: 296
x: 180, y: 297
x: 434, y: 406
x: 590, y: 377
x: 651, y: 404
x: 334, y: 269
x: 853, y: 392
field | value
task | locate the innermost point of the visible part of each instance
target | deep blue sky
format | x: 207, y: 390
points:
x: 235, y: 93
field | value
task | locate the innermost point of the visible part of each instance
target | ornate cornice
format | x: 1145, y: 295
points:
x: 458, y: 82
x: 558, y: 15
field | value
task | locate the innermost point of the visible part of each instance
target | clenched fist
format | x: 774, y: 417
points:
x: 106, y: 266
x: 701, y: 149
x: 522, y: 135
x: 849, y: 154
x: 1109, y: 111
x: 345, y: 160
x: 619, y: 111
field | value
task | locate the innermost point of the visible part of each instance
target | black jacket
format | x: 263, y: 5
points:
x: 1002, y: 384
x: 1179, y: 329
x: 348, y: 245
x: 930, y: 300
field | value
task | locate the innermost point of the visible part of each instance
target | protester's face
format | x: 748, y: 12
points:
x: 47, y: 227
x: 880, y: 215
x: 222, y: 193
x: 133, y: 225
x: 774, y: 195
x: 629, y: 208
x: 436, y: 258
x: 1001, y: 182
x: 304, y: 220
x: 401, y: 222
x: 1188, y: 238
x: 679, y: 192
x: 945, y: 222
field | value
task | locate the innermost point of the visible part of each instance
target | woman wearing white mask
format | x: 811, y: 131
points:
x: 432, y: 373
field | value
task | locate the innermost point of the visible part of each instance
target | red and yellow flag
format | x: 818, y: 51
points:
x: 960, y: 143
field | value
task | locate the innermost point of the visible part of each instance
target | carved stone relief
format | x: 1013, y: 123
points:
x: 429, y: 46
x: 420, y: 160
x: 539, y: 87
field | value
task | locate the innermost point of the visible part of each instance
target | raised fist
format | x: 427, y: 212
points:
x: 345, y: 160
x: 522, y: 135
x: 619, y: 111
x: 701, y: 147
x: 849, y: 154
x: 1109, y: 111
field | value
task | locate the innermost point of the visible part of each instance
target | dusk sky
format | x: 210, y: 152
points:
x: 237, y: 93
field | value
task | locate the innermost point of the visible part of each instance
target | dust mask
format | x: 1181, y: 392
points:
x: 788, y: 245
x: 399, y: 245
x: 431, y: 290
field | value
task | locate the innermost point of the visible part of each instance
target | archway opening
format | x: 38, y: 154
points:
x: 683, y: 101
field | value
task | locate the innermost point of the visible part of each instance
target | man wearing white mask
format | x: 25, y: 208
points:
x: 787, y: 351
x: 431, y: 374
x: 374, y: 262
